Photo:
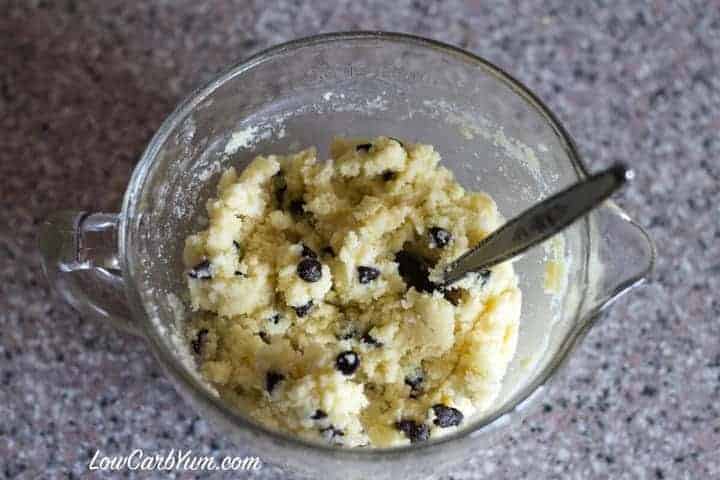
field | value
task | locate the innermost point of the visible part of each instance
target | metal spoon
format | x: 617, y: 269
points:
x: 528, y: 229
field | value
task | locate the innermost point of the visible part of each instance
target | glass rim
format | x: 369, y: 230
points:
x: 169, y: 360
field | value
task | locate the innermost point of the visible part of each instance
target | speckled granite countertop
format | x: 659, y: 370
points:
x: 83, y: 85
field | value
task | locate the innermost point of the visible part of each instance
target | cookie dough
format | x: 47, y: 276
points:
x: 304, y: 320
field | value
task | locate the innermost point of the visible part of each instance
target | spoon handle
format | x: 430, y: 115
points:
x: 540, y: 222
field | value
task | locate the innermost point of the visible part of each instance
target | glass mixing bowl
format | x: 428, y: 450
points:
x: 492, y: 132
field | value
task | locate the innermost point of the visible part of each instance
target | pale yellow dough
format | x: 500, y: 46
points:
x: 365, y: 204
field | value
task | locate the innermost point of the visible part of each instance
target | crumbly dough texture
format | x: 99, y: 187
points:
x: 271, y: 341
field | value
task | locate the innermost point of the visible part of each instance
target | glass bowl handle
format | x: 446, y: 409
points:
x: 79, y: 258
x: 623, y: 258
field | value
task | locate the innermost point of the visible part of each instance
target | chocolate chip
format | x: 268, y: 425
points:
x: 484, y: 276
x: 308, y: 252
x: 275, y: 318
x: 201, y: 271
x: 296, y: 207
x: 236, y: 245
x: 388, y: 175
x: 367, y: 274
x: 331, y: 432
x: 309, y: 270
x: 370, y: 340
x: 199, y: 342
x: 415, y: 381
x: 328, y: 251
x: 414, y: 271
x: 439, y: 237
x: 347, y: 362
x: 318, y: 415
x: 453, y: 296
x: 272, y: 379
x: 303, y: 310
x: 416, y: 432
x: 363, y: 147
x: 446, y: 416
x: 264, y: 337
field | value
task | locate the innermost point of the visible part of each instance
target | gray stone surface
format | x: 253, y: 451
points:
x: 83, y: 85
